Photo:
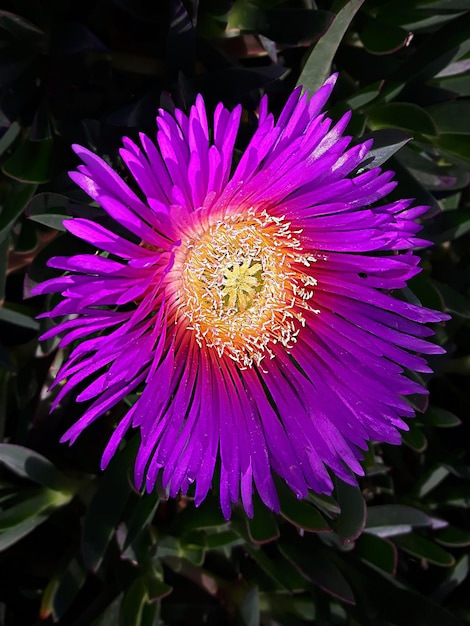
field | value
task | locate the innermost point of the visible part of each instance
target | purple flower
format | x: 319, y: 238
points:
x: 250, y: 311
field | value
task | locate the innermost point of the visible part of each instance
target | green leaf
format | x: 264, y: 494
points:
x: 414, y: 16
x: 292, y: 26
x: 169, y: 546
x: 320, y: 569
x: 262, y: 528
x: 422, y: 548
x: 365, y: 95
x: 140, y: 517
x: 27, y: 240
x: 17, y: 319
x: 441, y: 418
x: 280, y: 573
x: 431, y: 480
x: 49, y: 209
x: 20, y: 28
x: 157, y: 588
x: 415, y: 439
x: 318, y: 65
x: 31, y: 162
x: 326, y: 504
x: 381, y: 37
x: 452, y: 117
x: 388, y: 520
x: 110, y: 614
x: 249, y: 609
x: 456, y: 304
x: 27, y: 513
x: 29, y: 464
x: 16, y: 533
x: 454, y: 578
x: 300, y: 513
x: 454, y: 223
x: 458, y: 84
x: 107, y: 506
x: 386, y: 143
x: 207, y: 515
x: 446, y: 44
x: 452, y: 537
x: 28, y: 506
x: 409, y: 187
x: 9, y: 137
x: 291, y: 608
x: 13, y: 205
x: 224, y: 539
x: 352, y: 519
x: 62, y: 590
x: 459, y: 471
x: 132, y: 605
x: 408, y: 117
x: 431, y: 171
x: 456, y: 145
x: 378, y: 552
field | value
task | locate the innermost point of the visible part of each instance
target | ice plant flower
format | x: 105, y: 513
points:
x: 250, y: 310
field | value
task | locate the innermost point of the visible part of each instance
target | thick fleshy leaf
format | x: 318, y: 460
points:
x: 378, y: 552
x: 321, y: 570
x: 431, y: 480
x: 301, y: 513
x: 388, y: 520
x: 352, y: 519
x: 386, y: 143
x: 105, y: 509
x: 28, y: 512
x: 452, y: 117
x: 22, y: 29
x: 16, y: 318
x: 49, y: 209
x: 383, y: 38
x: 408, y: 117
x: 174, y: 548
x: 415, y: 439
x: 14, y: 534
x: 318, y: 64
x: 262, y: 528
x: 249, y: 609
x: 284, y: 25
x: 32, y: 465
x: 31, y: 162
x: 452, y: 537
x: 454, y: 578
x: 140, y: 517
x: 62, y: 589
x: 137, y: 596
x: 423, y: 548
x: 14, y: 204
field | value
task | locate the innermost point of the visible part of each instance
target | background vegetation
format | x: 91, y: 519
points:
x: 82, y: 548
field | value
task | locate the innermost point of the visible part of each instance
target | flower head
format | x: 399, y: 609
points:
x: 249, y: 310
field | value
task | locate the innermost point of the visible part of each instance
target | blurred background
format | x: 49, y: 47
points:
x: 81, y: 548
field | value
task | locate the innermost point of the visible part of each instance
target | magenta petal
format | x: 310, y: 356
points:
x: 247, y: 312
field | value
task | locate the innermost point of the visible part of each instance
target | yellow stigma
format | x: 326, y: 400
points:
x: 243, y: 285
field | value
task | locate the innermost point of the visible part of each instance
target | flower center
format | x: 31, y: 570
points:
x: 243, y: 286
x: 240, y: 285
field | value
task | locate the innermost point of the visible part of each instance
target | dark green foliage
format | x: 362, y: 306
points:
x: 81, y: 548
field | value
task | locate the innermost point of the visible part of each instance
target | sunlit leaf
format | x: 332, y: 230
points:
x: 318, y: 65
